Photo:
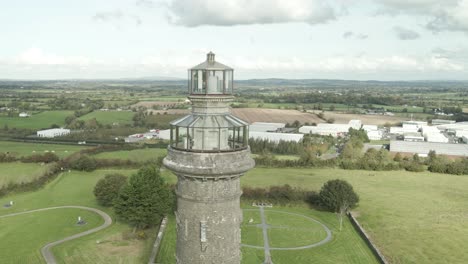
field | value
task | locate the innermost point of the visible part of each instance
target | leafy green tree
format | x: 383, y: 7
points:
x: 398, y: 157
x: 338, y: 196
x: 145, y: 199
x: 84, y: 163
x: 107, y: 189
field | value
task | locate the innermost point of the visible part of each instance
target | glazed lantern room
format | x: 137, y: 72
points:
x: 209, y: 133
x: 210, y: 78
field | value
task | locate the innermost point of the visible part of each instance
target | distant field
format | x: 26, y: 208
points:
x: 281, y: 157
x: 341, y: 118
x: 110, y: 117
x: 22, y: 237
x: 42, y: 120
x: 138, y: 155
x: 412, y: 217
x: 19, y: 149
x: 17, y: 172
x: 251, y: 115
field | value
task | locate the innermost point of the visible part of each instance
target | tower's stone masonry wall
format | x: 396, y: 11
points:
x: 208, y: 205
x: 209, y: 232
x: 209, y: 165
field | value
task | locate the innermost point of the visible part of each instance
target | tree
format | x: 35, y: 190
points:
x: 338, y: 196
x: 107, y: 189
x: 84, y: 163
x: 145, y: 199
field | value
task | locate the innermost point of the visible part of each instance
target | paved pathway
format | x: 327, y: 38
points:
x: 266, y: 243
x: 45, y: 251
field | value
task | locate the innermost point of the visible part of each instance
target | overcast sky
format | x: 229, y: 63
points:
x: 336, y: 39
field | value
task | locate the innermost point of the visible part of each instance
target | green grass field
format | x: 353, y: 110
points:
x: 38, y: 121
x: 138, y: 155
x: 412, y: 217
x: 17, y: 172
x: 110, y: 117
x: 20, y: 149
x: 345, y: 247
x: 76, y: 188
x: 22, y: 237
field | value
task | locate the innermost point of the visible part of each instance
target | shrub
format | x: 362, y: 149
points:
x: 84, y: 163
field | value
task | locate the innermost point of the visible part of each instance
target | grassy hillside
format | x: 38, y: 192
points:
x: 37, y: 121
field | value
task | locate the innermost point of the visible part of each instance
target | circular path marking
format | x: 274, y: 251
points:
x: 46, y: 250
x: 325, y: 240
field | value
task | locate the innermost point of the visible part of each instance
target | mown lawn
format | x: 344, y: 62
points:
x: 22, y: 236
x: 37, y: 121
x: 20, y: 149
x: 17, y: 172
x: 412, y: 217
x: 110, y: 117
x: 346, y: 246
x: 76, y: 188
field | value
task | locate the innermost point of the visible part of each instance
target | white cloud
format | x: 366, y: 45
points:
x: 447, y: 15
x: 117, y: 17
x: 350, y: 34
x: 194, y: 13
x: 36, y: 63
x: 406, y: 34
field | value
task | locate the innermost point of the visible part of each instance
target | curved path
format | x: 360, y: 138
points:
x: 264, y: 226
x: 45, y: 250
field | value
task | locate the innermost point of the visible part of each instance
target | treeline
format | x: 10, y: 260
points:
x: 36, y: 158
x: 282, y: 195
x: 441, y: 164
x: 348, y: 98
x: 319, y: 144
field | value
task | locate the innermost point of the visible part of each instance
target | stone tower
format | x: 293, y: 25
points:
x: 209, y: 153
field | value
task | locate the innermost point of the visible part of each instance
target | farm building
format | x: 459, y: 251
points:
x: 276, y: 137
x: 425, y: 147
x: 23, y: 114
x: 415, y: 137
x: 54, y: 132
x: 152, y: 134
x: 266, y: 127
x: 373, y: 132
x: 335, y: 130
x: 439, y: 138
x: 404, y: 130
x: 436, y: 122
x: 453, y: 128
x: 433, y: 134
x: 418, y: 124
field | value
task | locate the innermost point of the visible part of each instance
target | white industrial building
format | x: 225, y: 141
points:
x: 24, y: 114
x: 424, y: 148
x: 436, y: 122
x: 335, y: 130
x: 454, y: 127
x: 418, y: 124
x: 276, y: 137
x: 373, y: 132
x: 152, y: 134
x: 54, y: 132
x: 404, y: 130
x: 266, y: 127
